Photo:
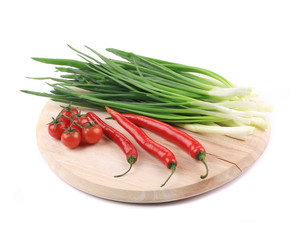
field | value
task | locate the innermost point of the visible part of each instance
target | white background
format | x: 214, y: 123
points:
x: 251, y: 43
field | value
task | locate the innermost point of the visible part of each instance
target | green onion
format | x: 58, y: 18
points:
x: 193, y: 98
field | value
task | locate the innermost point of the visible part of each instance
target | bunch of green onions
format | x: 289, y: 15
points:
x: 193, y: 98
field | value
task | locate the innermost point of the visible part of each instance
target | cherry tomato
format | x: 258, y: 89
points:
x: 92, y: 134
x: 81, y: 121
x: 66, y: 121
x: 71, y: 138
x: 68, y: 112
x: 55, y: 129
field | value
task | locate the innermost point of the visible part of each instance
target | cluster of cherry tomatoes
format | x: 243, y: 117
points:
x: 74, y: 128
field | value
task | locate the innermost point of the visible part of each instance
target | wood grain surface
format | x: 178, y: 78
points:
x: 91, y: 168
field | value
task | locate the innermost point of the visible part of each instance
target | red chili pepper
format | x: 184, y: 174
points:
x: 120, y: 139
x: 174, y: 135
x: 155, y: 149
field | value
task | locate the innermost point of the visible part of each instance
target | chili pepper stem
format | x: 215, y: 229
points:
x: 131, y: 160
x: 124, y: 172
x: 207, y: 170
x: 171, y: 166
x: 201, y: 157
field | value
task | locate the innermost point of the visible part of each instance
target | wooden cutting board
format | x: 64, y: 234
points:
x: 91, y: 168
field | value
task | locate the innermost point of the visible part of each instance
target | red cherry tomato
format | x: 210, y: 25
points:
x: 68, y: 112
x: 92, y: 134
x: 55, y: 129
x: 71, y: 138
x: 81, y: 121
x: 64, y: 120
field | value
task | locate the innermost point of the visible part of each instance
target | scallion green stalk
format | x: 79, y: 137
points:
x: 194, y: 98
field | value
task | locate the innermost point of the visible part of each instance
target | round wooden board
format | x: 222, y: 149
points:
x: 91, y: 168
